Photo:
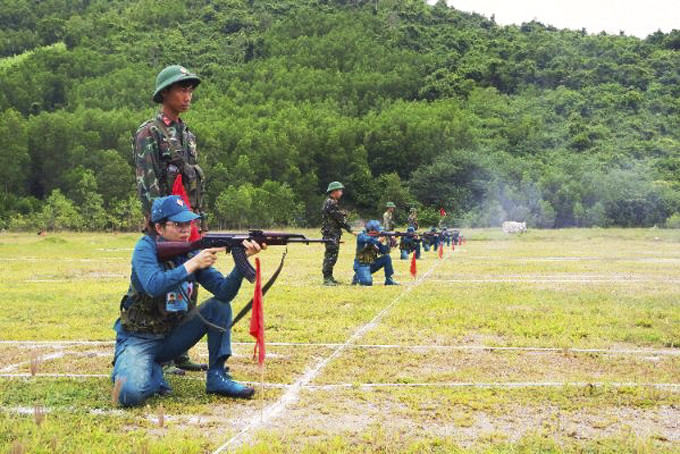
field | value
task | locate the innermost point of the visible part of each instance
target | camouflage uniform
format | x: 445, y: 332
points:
x: 164, y: 149
x: 333, y: 220
x: 413, y: 220
x: 388, y: 224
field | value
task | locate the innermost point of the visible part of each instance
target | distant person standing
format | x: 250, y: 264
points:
x: 388, y: 222
x: 413, y: 219
x: 165, y: 153
x: 333, y: 220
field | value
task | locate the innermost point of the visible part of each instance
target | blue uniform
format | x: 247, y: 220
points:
x: 168, y: 324
x: 367, y: 261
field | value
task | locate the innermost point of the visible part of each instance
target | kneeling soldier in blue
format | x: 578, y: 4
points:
x: 409, y: 243
x: 159, y: 318
x: 366, y: 260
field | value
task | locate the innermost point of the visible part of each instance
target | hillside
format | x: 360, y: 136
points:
x: 422, y: 105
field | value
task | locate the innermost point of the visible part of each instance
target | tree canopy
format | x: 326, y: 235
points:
x: 420, y: 104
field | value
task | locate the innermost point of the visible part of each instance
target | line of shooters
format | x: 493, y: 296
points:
x: 160, y: 318
x: 374, y: 243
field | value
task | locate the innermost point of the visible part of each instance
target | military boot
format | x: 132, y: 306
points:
x: 329, y: 282
x: 220, y: 382
x: 390, y: 281
x: 185, y: 363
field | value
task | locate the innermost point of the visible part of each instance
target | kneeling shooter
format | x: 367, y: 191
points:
x: 371, y: 256
x: 159, y: 318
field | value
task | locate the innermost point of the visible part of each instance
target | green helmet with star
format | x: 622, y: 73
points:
x: 171, y: 75
x: 333, y: 185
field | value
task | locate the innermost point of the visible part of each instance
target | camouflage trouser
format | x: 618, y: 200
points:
x: 330, y: 257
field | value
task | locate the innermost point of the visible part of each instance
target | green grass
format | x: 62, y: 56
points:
x: 616, y: 290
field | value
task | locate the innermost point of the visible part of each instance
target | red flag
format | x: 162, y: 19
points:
x: 413, y: 265
x: 441, y: 250
x: 178, y: 189
x: 257, y: 316
x: 442, y: 213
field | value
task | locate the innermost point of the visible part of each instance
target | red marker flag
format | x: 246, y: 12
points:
x: 178, y: 189
x: 441, y: 250
x: 442, y: 213
x: 413, y: 265
x: 257, y: 316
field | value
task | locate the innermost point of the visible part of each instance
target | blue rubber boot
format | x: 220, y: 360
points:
x: 390, y: 281
x: 220, y: 382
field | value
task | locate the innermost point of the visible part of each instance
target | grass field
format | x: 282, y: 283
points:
x: 552, y: 341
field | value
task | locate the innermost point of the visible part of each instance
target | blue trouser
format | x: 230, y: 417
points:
x: 405, y: 253
x: 138, y: 357
x: 363, y: 273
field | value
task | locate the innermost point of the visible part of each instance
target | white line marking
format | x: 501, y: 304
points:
x: 494, y: 385
x: 557, y: 281
x: 291, y: 395
x: 671, y: 352
x: 38, y: 359
x: 56, y: 375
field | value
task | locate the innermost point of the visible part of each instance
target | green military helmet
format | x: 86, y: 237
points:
x: 333, y: 185
x: 171, y: 75
x: 390, y: 205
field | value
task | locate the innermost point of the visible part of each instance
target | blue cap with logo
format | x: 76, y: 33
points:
x: 171, y: 208
x: 373, y: 225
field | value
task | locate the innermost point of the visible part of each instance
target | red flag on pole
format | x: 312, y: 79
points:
x: 441, y: 250
x: 413, y: 265
x: 442, y: 213
x: 178, y: 189
x: 257, y: 316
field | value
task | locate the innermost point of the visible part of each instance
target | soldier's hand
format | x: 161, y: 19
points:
x: 253, y: 247
x: 204, y: 259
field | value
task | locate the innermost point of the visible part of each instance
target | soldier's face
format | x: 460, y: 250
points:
x: 174, y: 231
x: 336, y: 194
x: 177, y: 98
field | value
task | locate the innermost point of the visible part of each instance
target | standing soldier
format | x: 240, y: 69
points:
x: 388, y: 223
x: 165, y: 149
x: 333, y: 220
x: 413, y: 219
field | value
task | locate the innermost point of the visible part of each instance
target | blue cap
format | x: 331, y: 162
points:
x: 373, y: 225
x: 410, y: 229
x: 171, y: 208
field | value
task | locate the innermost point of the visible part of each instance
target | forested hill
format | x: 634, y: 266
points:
x: 419, y: 104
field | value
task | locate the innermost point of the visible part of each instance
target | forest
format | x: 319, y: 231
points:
x: 422, y: 105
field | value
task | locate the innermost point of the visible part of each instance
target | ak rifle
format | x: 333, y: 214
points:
x: 233, y: 242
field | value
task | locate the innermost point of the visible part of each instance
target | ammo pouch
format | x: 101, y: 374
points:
x: 141, y: 313
x: 367, y: 255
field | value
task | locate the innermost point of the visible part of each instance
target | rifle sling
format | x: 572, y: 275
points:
x: 266, y: 287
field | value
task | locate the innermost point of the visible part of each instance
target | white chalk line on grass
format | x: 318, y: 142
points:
x: 530, y: 384
x: 671, y: 352
x: 673, y: 386
x: 291, y: 394
x: 558, y: 281
x: 27, y: 375
x: 51, y: 356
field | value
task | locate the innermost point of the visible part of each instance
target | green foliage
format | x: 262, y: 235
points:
x: 420, y: 104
